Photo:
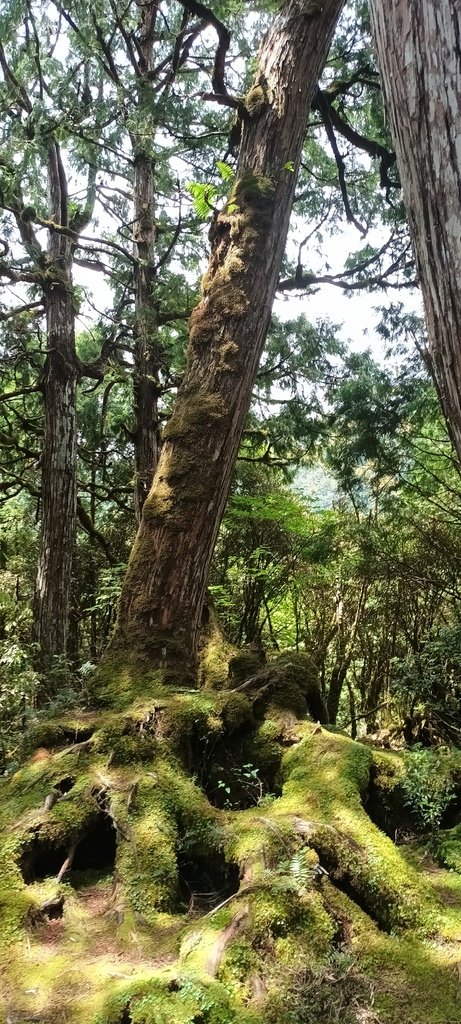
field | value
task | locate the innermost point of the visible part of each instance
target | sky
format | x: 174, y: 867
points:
x: 356, y: 310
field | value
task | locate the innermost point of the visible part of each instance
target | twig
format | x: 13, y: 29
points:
x: 235, y: 895
x: 367, y: 714
x: 75, y: 746
x: 67, y: 863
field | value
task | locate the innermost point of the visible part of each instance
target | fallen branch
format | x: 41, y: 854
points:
x: 67, y: 863
x: 85, y: 745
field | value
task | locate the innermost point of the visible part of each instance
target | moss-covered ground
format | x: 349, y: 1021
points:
x: 208, y: 857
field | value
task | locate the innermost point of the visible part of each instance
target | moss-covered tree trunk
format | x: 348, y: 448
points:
x: 419, y: 54
x: 162, y: 599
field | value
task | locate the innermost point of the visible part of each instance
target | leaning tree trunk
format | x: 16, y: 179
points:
x: 419, y: 54
x: 58, y: 488
x: 146, y: 347
x: 161, y: 604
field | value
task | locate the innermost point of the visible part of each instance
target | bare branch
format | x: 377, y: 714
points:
x: 324, y: 107
x: 203, y: 12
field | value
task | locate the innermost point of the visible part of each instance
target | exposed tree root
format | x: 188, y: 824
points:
x: 287, y: 906
x: 225, y: 938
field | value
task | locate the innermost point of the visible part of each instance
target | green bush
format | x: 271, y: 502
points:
x: 428, y: 784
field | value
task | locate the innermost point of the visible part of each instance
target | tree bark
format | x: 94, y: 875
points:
x: 345, y: 652
x: 59, y: 485
x: 419, y: 53
x: 161, y: 604
x: 146, y: 346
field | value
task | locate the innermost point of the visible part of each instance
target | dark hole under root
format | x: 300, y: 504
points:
x: 77, y: 735
x: 50, y: 910
x: 64, y: 785
x: 204, y: 883
x: 374, y: 908
x: 389, y: 812
x: 231, y: 784
x: 95, y: 851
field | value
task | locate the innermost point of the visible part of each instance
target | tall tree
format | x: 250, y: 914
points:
x: 163, y: 595
x: 33, y: 105
x: 420, y: 61
x: 146, y: 344
x: 59, y: 480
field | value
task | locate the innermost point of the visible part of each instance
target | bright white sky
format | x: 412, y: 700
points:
x: 355, y: 310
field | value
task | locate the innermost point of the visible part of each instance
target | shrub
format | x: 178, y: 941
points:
x: 428, y: 783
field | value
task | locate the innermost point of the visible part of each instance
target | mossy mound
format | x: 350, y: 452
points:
x: 207, y: 857
x: 244, y: 664
x: 288, y: 683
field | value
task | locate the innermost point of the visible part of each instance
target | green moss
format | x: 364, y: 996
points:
x: 148, y: 860
x: 14, y: 900
x: 48, y: 735
x: 120, y: 681
x: 192, y: 415
x: 228, y: 357
x: 238, y: 238
x: 288, y: 682
x: 255, y: 100
x: 388, y: 770
x: 448, y: 845
x: 243, y: 665
x: 116, y: 949
x: 411, y: 980
x: 189, y: 721
x: 179, y: 1001
x: 254, y: 191
x: 236, y: 712
x: 240, y: 961
x: 215, y: 653
x: 283, y: 910
x: 332, y: 773
x: 258, y: 841
x: 127, y: 742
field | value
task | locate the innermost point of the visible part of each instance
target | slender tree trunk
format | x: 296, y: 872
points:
x: 162, y: 599
x: 58, y: 490
x: 146, y: 353
x: 345, y: 653
x: 146, y: 345
x: 419, y: 53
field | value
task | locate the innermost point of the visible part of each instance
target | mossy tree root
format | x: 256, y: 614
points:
x: 211, y: 912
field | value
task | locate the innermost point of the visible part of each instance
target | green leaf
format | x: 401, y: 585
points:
x: 226, y: 172
x: 203, y: 196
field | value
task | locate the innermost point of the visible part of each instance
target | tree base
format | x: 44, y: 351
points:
x: 208, y: 856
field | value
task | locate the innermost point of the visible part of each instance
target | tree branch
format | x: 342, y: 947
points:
x: 324, y: 107
x: 224, y: 37
x: 374, y: 149
x: 94, y: 533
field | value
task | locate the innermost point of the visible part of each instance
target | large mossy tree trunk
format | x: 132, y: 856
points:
x: 58, y: 478
x: 419, y: 55
x: 162, y: 599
